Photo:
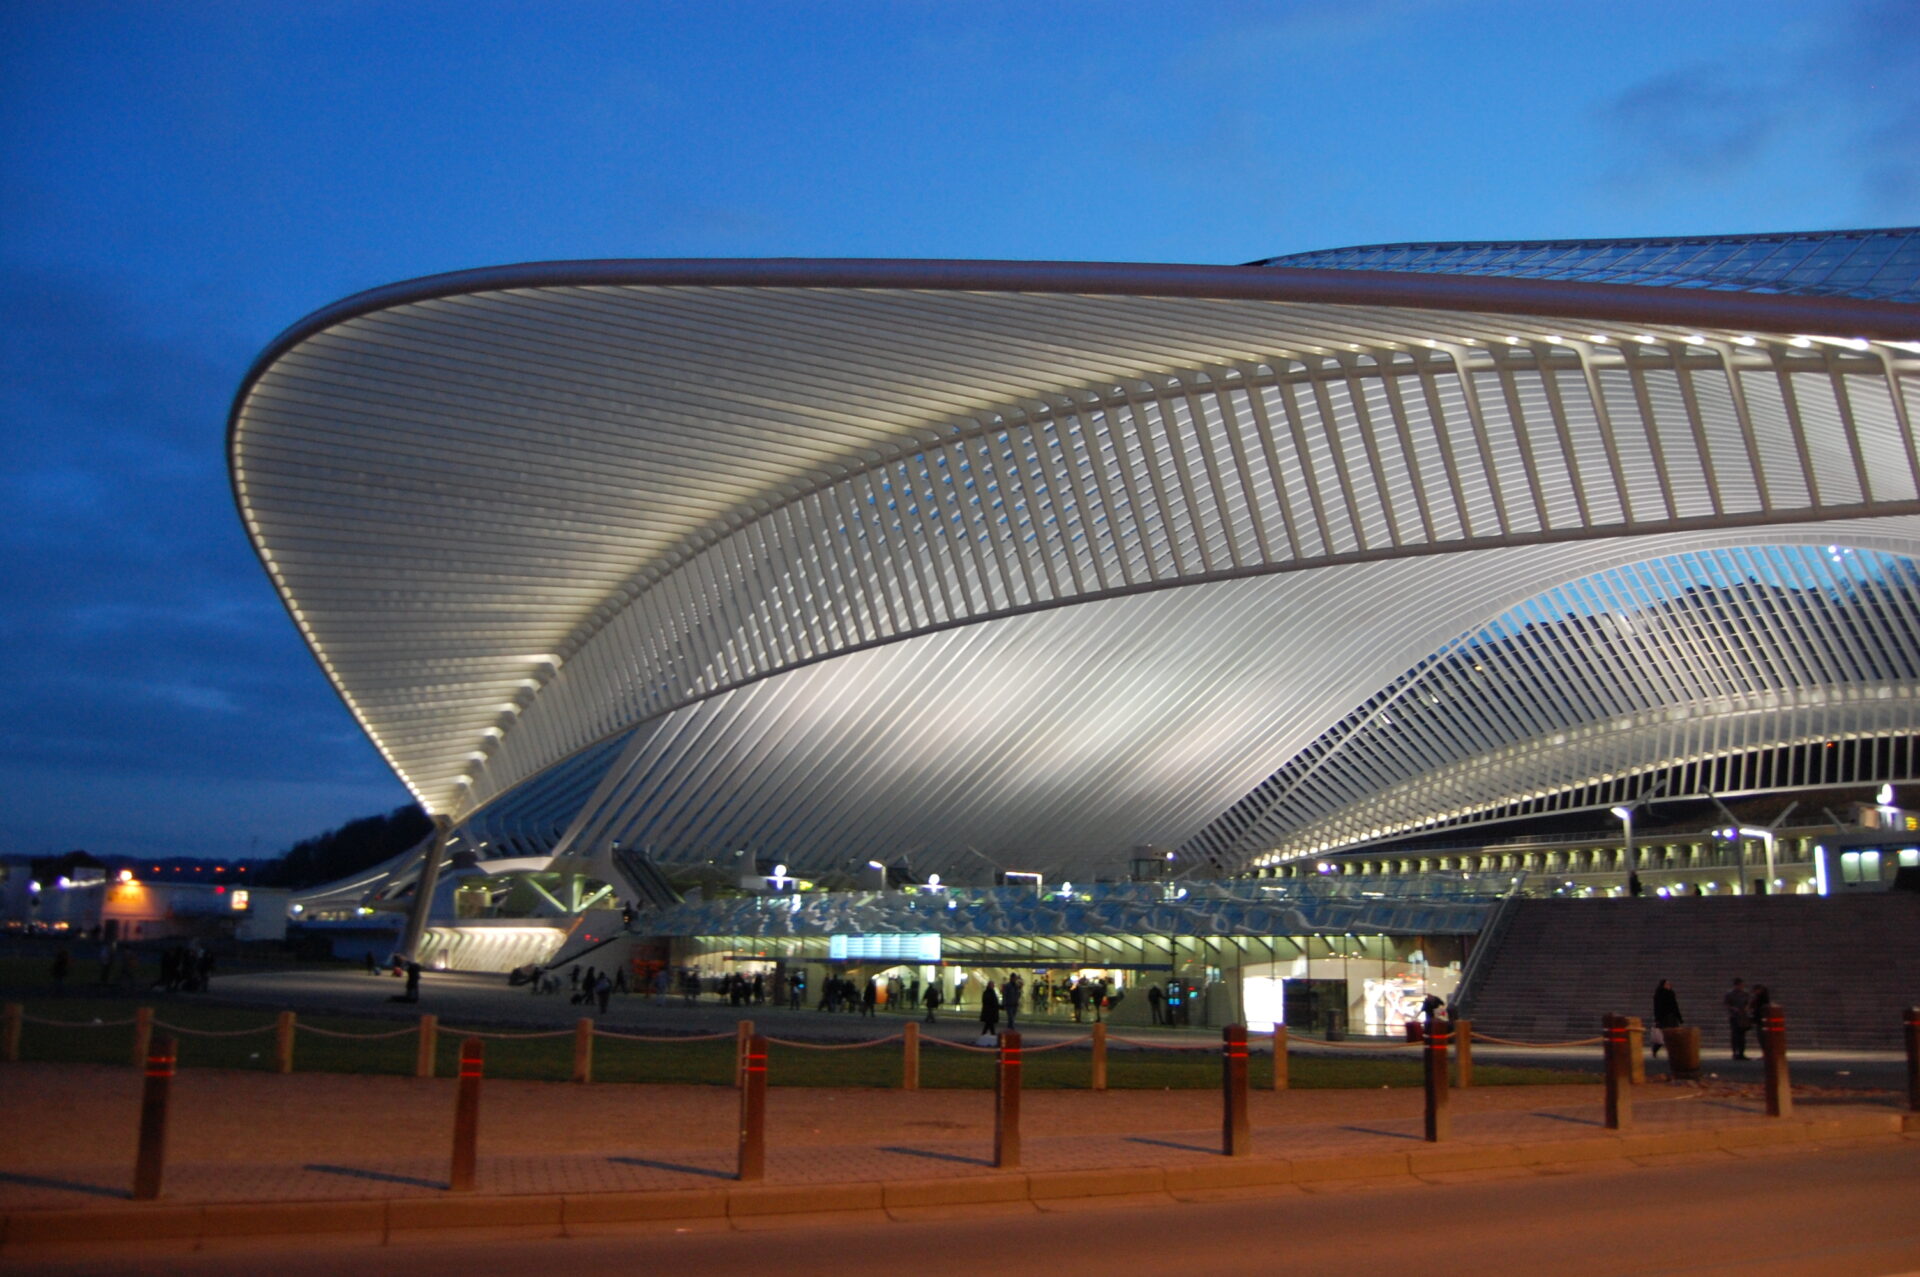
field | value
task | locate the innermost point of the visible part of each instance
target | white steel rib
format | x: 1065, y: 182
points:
x: 1033, y: 563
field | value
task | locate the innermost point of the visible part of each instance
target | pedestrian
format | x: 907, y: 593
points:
x: 373, y: 967
x: 1156, y: 1001
x: 1666, y: 1014
x: 1757, y: 1012
x: 573, y: 978
x: 1634, y: 888
x: 989, y: 1011
x: 1010, y: 1000
x: 603, y: 990
x: 1078, y: 994
x: 868, y: 996
x: 1739, y: 1004
x: 933, y: 1000
x: 620, y: 980
x: 413, y: 981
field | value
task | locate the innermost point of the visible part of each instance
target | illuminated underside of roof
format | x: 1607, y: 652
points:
x: 1008, y: 563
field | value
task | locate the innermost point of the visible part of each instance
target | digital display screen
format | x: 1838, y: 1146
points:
x: 887, y: 948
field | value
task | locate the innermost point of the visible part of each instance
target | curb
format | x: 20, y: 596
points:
x: 555, y: 1214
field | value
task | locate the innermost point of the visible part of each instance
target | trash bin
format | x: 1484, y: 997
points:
x: 1683, y: 1052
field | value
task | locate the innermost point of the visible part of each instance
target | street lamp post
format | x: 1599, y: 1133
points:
x: 1626, y: 821
x: 874, y: 864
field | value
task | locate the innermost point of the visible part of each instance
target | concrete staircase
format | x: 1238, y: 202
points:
x: 1842, y: 967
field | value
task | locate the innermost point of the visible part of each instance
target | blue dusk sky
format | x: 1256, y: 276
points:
x: 180, y: 181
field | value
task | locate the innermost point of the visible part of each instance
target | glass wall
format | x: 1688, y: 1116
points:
x: 1363, y: 984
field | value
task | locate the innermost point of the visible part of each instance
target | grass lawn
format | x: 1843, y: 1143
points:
x: 83, y: 1026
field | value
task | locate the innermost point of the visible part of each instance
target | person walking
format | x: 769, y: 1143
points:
x: 933, y: 1000
x: 1155, y: 1003
x: 1757, y: 1012
x: 869, y: 994
x: 1739, y: 1004
x: 989, y: 1011
x: 1666, y: 1014
x: 602, y: 991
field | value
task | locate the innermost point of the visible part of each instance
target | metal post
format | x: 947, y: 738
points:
x: 1236, y: 1135
x: 1434, y: 1053
x: 15, y: 1014
x: 753, y: 1111
x: 283, y: 1042
x: 910, y: 1057
x: 1636, y: 1051
x: 466, y: 1116
x: 742, y: 1035
x: 1099, y: 1080
x: 151, y: 1161
x: 1006, y: 1102
x: 1913, y: 1059
x: 1619, y: 1088
x: 1282, y: 1063
x: 1773, y: 1054
x: 427, y: 1047
x: 583, y: 1049
x: 1463, y: 1053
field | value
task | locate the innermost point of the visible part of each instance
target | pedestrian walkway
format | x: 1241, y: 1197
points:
x: 44, y: 1200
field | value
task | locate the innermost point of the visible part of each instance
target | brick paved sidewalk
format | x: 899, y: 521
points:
x: 1372, y: 1145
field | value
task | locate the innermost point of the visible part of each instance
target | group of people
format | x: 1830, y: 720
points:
x: 1746, y: 1009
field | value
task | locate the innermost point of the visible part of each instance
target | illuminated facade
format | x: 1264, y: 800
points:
x: 981, y: 566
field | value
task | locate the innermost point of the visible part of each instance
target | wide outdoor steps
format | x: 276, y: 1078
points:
x: 1842, y: 967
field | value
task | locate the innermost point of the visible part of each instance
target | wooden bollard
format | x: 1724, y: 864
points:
x: 1463, y: 1053
x: 151, y: 1161
x: 466, y: 1116
x: 283, y: 1029
x: 1773, y: 1055
x: 1236, y: 1132
x: 1006, y: 1102
x: 13, y: 1017
x: 1098, y: 1082
x: 1636, y: 1051
x: 1613, y: 1033
x: 583, y: 1049
x: 1439, y: 1124
x: 427, y: 1047
x: 1913, y: 1059
x: 910, y: 1057
x: 142, y: 1035
x: 753, y: 1111
x: 743, y: 1034
x: 1282, y: 1062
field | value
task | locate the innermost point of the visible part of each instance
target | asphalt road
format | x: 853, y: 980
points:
x: 1843, y: 1210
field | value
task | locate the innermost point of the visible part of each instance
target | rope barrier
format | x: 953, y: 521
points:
x: 660, y: 1037
x: 1478, y: 1036
x: 76, y: 1024
x: 1359, y: 1046
x: 836, y: 1046
x: 1055, y: 1046
x: 961, y: 1046
x: 509, y: 1037
x: 365, y: 1037
x: 1163, y: 1046
x: 212, y: 1033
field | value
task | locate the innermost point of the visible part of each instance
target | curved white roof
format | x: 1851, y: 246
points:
x: 777, y: 555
